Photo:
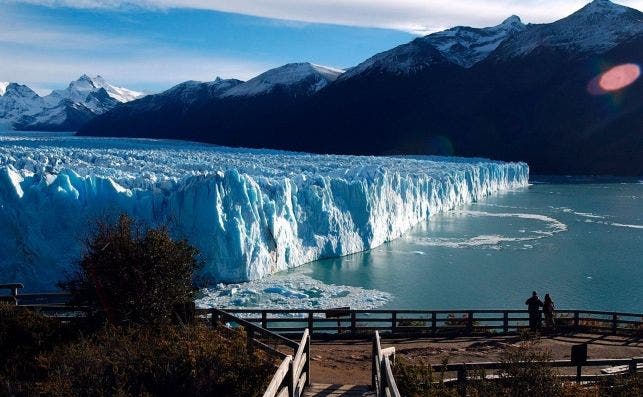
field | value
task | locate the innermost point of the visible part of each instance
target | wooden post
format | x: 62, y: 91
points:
x: 462, y: 381
x: 353, y: 322
x: 249, y: 342
x: 614, y: 323
x: 14, y: 291
x: 373, y: 361
x: 215, y: 319
x: 579, y: 373
x: 394, y: 322
x: 292, y: 384
x: 576, y: 319
x: 307, y: 368
x: 505, y: 322
x: 434, y: 323
x: 632, y: 366
x: 311, y: 321
x: 264, y: 320
x: 469, y: 322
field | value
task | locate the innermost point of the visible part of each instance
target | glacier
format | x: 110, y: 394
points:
x: 250, y: 212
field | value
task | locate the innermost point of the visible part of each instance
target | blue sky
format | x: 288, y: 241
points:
x: 151, y: 45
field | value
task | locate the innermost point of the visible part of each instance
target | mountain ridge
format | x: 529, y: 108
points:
x: 509, y: 92
x: 21, y: 108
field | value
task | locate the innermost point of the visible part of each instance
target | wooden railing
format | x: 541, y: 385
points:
x: 464, y: 370
x: 355, y: 323
x: 293, y: 374
x: 29, y: 299
x: 433, y: 322
x: 382, y: 379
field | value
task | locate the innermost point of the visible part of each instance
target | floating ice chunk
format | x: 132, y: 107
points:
x: 293, y: 291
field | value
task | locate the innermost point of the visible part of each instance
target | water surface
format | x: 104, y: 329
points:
x: 580, y: 242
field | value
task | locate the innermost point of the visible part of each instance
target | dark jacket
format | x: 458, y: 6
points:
x: 534, y: 304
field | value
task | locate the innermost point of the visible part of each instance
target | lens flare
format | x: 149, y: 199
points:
x: 614, y: 79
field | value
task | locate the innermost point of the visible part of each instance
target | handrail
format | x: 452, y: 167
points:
x: 276, y: 387
x: 554, y: 363
x: 463, y: 369
x: 293, y: 374
x: 13, y: 287
x: 406, y: 322
x: 249, y: 326
x: 362, y: 323
x: 382, y: 378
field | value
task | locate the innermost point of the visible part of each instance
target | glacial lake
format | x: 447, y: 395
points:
x: 582, y: 242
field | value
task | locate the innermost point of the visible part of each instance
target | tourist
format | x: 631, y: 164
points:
x: 548, y: 310
x: 534, y: 304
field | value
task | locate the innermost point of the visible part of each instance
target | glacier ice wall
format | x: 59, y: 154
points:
x: 250, y: 212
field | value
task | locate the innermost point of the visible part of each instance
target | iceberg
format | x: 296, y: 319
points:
x: 250, y: 212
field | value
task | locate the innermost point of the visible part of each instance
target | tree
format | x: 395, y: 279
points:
x: 132, y: 275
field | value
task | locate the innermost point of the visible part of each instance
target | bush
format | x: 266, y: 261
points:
x: 24, y: 334
x: 524, y: 374
x: 133, y: 276
x: 415, y: 380
x: 167, y: 361
x: 41, y: 356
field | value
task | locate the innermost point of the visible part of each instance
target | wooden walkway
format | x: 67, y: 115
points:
x: 322, y: 390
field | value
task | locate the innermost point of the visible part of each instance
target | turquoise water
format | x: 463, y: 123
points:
x: 580, y: 242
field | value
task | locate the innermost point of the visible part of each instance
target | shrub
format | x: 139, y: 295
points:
x: 525, y: 373
x: 417, y: 380
x: 132, y: 275
x: 24, y: 334
x: 166, y: 361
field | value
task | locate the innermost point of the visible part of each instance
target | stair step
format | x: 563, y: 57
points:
x: 331, y: 390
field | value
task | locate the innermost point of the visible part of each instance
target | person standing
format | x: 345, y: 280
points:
x: 533, y: 305
x: 548, y: 310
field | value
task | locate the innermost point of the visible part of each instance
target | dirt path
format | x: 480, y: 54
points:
x: 348, y: 362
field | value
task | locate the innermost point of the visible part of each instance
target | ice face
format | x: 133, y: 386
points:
x: 250, y: 212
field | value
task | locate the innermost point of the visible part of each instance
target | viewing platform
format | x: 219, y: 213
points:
x: 348, y: 358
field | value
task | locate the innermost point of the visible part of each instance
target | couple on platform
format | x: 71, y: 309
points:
x: 535, y: 318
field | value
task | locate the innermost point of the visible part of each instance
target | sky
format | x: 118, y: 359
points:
x: 151, y: 45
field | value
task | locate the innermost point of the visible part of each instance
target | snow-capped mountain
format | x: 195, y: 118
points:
x: 21, y: 108
x: 294, y: 78
x: 17, y: 100
x: 192, y: 91
x: 510, y: 92
x: 3, y: 87
x: 595, y: 28
x: 467, y: 46
x: 462, y: 45
x: 81, y: 91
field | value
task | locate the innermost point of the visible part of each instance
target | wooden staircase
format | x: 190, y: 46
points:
x: 330, y: 390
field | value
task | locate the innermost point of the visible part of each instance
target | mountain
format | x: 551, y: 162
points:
x: 16, y: 100
x: 594, y: 29
x: 168, y: 112
x: 84, y: 91
x: 192, y: 109
x: 3, y: 87
x: 462, y: 45
x: 509, y: 92
x: 297, y: 79
x: 62, y: 110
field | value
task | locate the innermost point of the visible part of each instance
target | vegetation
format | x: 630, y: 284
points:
x: 131, y: 275
x: 522, y: 375
x: 48, y: 358
x: 133, y: 282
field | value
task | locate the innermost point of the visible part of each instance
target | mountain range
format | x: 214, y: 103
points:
x: 511, y: 92
x: 62, y: 110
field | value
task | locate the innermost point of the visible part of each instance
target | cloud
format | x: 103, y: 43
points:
x: 417, y: 16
